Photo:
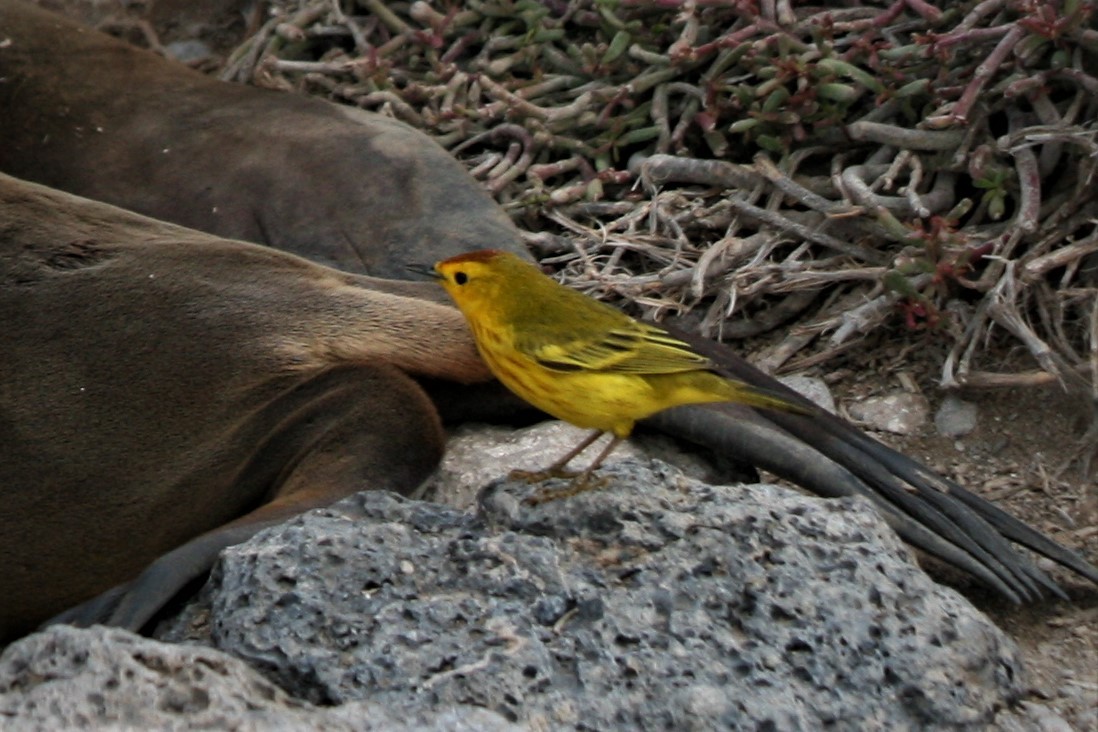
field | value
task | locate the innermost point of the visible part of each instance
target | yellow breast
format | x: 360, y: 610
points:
x: 593, y: 401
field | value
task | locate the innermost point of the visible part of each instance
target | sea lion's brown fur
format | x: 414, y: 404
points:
x: 335, y: 185
x: 152, y: 371
x: 263, y: 370
x: 91, y: 115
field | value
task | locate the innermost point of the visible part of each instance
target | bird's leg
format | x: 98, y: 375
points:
x: 556, y: 470
x: 582, y: 482
x: 602, y: 456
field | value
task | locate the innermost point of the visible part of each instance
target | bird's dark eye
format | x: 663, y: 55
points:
x: 461, y: 278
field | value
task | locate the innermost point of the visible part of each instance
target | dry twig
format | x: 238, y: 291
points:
x: 758, y: 161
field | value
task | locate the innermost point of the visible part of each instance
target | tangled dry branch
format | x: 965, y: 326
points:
x: 748, y: 164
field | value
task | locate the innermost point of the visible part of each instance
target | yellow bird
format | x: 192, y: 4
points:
x: 579, y: 359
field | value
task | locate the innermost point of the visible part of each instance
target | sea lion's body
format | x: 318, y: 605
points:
x: 91, y: 115
x: 159, y: 383
x: 165, y: 393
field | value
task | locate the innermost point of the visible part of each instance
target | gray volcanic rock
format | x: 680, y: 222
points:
x: 657, y: 602
x: 477, y: 454
x: 956, y: 417
x: 105, y: 678
x: 902, y: 413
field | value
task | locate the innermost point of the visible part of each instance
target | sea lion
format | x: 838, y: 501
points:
x: 824, y: 454
x: 161, y: 384
x: 86, y: 113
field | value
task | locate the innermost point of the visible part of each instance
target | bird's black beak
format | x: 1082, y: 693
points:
x: 423, y: 269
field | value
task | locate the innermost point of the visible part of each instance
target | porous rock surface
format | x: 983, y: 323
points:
x: 108, y: 679
x: 477, y: 454
x: 655, y: 603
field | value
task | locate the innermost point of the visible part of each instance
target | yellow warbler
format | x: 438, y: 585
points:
x: 579, y: 359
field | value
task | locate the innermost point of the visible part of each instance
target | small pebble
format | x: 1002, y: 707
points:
x: 811, y: 388
x: 188, y: 52
x: 956, y: 417
x: 902, y: 413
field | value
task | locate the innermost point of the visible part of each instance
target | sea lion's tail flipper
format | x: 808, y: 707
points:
x: 827, y: 455
x: 132, y: 605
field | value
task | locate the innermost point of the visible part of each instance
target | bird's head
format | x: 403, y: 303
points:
x: 480, y: 276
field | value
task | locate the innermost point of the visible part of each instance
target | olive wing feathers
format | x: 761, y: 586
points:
x: 634, y: 348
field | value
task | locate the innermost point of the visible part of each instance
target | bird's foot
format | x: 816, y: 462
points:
x: 536, y: 476
x: 580, y: 483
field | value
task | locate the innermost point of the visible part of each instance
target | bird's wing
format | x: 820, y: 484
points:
x: 635, y: 348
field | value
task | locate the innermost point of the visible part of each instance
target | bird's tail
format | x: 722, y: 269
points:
x: 710, y: 386
x: 754, y: 396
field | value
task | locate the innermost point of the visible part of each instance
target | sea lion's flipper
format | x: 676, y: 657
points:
x: 928, y: 510
x: 359, y: 191
x: 131, y: 605
x: 387, y: 438
x: 731, y: 429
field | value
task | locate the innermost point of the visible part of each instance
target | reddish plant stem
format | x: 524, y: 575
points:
x: 984, y: 72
